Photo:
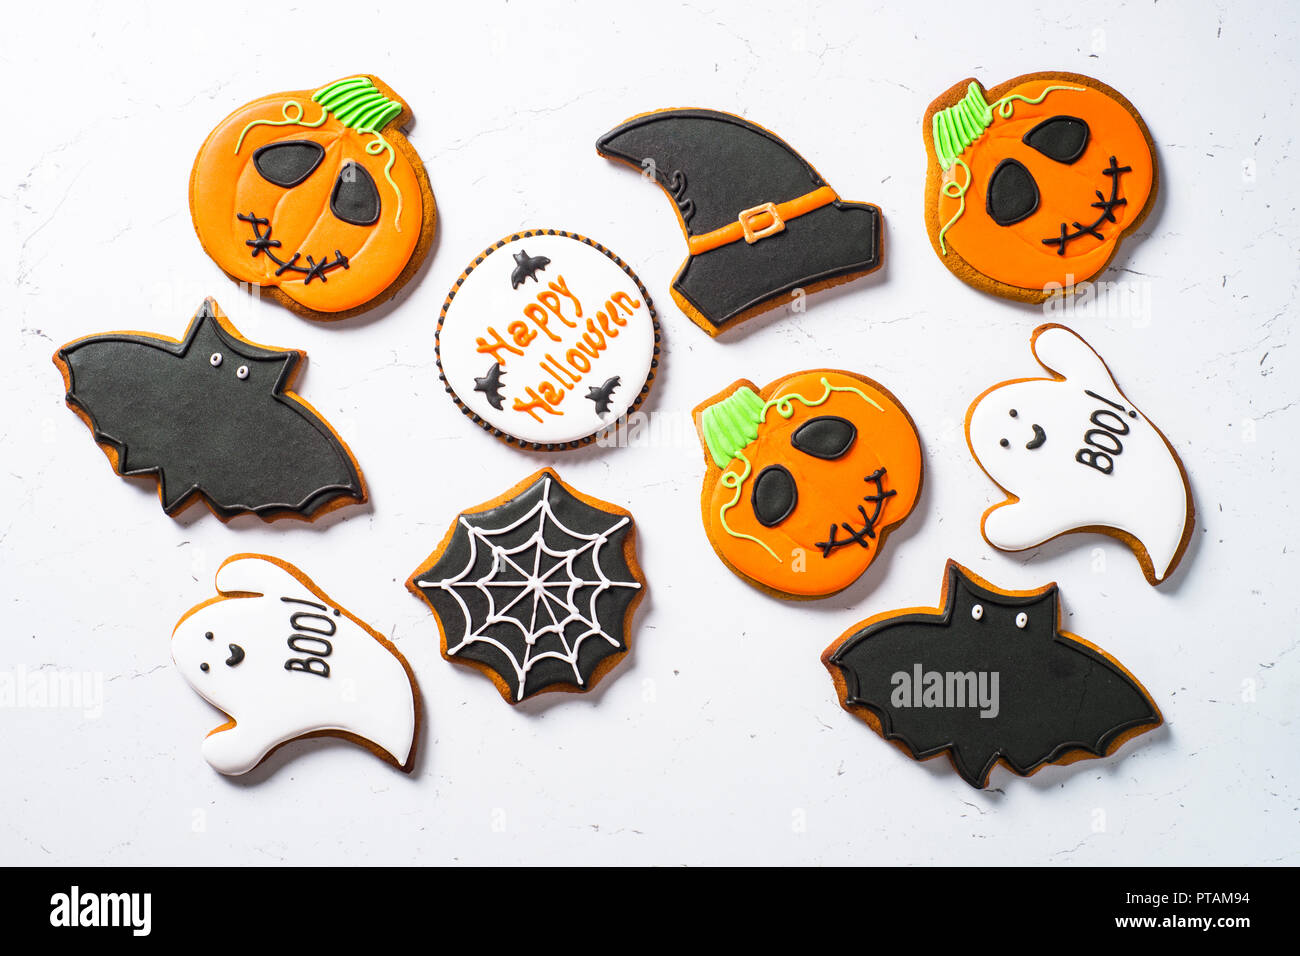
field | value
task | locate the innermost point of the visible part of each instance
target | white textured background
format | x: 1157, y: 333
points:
x: 719, y: 739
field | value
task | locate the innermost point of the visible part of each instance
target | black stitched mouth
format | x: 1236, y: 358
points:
x: 1039, y: 438
x: 262, y: 242
x: 861, y: 535
x: 1107, y: 207
x: 236, y: 656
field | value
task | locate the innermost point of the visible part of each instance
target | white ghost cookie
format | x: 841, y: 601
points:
x: 1074, y: 454
x: 284, y: 661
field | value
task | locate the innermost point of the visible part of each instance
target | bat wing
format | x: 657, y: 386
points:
x: 872, y: 662
x: 933, y: 689
x: 201, y: 429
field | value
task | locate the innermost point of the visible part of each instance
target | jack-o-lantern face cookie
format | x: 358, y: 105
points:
x: 317, y: 197
x: 805, y: 478
x: 1033, y: 184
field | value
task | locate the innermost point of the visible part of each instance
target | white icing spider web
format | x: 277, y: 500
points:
x: 516, y: 575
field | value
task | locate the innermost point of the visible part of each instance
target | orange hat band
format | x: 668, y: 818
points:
x: 762, y: 221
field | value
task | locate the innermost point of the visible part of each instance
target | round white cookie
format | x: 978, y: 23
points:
x: 547, y: 338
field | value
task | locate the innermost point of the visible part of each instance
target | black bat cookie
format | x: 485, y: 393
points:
x: 989, y: 678
x: 527, y: 267
x: 210, y: 417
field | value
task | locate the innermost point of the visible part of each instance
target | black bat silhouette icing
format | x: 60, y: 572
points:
x: 527, y: 267
x: 988, y: 678
x: 490, y: 385
x: 210, y: 417
x: 600, y: 395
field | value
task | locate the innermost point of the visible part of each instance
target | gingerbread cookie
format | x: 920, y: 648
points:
x: 546, y: 339
x: 1073, y: 453
x: 760, y: 222
x: 805, y: 478
x: 283, y: 661
x: 988, y: 678
x: 211, y: 417
x: 1032, y: 185
x: 535, y: 588
x: 317, y: 197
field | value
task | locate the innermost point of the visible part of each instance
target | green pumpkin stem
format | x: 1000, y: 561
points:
x: 731, y: 423
x: 356, y: 104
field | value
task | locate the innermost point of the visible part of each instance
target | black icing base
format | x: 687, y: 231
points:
x: 1057, y: 694
x: 237, y: 440
x: 470, y: 558
x: 714, y: 166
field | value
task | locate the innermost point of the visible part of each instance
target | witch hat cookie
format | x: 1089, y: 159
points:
x: 760, y: 222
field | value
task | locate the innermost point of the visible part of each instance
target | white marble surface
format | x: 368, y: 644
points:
x: 719, y: 739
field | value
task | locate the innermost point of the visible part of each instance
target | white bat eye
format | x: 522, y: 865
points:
x: 241, y: 372
x: 1022, y: 620
x: 977, y: 612
x: 215, y: 360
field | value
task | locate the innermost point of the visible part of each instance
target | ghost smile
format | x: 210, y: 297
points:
x: 1039, y: 438
x: 236, y: 656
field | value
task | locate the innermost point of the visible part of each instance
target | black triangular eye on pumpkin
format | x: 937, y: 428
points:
x: 1012, y: 193
x: 288, y: 164
x: 826, y: 436
x: 1062, y: 138
x: 774, y: 496
x: 355, y: 198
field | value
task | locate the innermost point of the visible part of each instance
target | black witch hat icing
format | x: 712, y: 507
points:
x: 760, y: 222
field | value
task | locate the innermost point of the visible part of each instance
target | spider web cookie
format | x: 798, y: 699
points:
x: 536, y: 588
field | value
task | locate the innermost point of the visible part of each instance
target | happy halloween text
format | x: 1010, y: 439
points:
x: 561, y: 374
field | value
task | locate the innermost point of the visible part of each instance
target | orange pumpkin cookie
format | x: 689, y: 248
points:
x: 1033, y: 184
x: 317, y: 197
x: 805, y: 478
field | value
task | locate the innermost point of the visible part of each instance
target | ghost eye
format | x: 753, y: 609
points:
x: 977, y: 612
x: 355, y: 199
x: 1022, y: 620
x: 1062, y: 138
x: 826, y: 437
x: 1012, y: 193
x: 774, y: 496
x: 288, y: 164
